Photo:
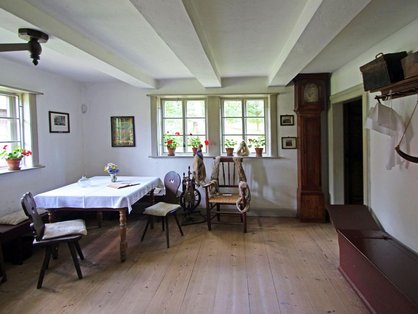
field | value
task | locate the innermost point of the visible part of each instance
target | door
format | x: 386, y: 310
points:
x: 353, y: 152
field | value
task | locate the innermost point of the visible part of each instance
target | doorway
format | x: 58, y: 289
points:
x: 353, y: 151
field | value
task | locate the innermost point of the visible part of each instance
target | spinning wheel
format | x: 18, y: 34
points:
x: 190, y: 199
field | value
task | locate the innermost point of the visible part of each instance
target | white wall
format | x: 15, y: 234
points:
x: 393, y: 193
x: 273, y: 181
x: 60, y: 153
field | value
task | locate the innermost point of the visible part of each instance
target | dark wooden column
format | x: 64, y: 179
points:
x: 311, y: 95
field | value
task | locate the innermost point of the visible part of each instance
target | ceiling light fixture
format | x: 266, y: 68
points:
x: 34, y: 38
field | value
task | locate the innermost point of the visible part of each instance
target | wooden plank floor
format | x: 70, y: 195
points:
x: 279, y: 266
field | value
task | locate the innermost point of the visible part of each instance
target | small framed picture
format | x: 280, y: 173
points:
x: 123, y: 131
x: 288, y: 142
x: 287, y: 119
x: 59, y: 122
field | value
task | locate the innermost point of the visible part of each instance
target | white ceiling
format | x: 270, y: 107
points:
x: 143, y: 41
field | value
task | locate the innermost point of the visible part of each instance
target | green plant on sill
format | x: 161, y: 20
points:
x: 194, y: 141
x: 230, y: 143
x: 257, y: 142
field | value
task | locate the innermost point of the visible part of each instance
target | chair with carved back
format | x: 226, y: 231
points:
x: 168, y: 206
x: 227, y: 193
x: 50, y: 235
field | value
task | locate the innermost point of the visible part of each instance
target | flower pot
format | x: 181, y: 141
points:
x: 13, y: 164
x: 194, y: 150
x: 259, y: 152
x: 229, y: 151
x: 171, y: 151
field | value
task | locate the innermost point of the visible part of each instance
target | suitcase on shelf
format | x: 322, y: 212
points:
x: 384, y: 70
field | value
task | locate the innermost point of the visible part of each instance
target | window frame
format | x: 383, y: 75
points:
x: 184, y: 135
x: 27, y: 126
x: 245, y: 135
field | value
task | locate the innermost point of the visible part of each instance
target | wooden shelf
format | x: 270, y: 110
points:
x: 402, y: 88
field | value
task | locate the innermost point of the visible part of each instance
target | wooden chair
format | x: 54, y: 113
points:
x: 50, y: 235
x: 169, y: 205
x: 227, y: 188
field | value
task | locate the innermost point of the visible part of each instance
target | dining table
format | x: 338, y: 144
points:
x: 99, y: 194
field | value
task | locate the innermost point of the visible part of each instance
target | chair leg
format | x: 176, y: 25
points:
x: 54, y: 251
x: 208, y: 218
x: 178, y: 224
x: 146, y: 228
x: 78, y: 248
x: 48, y: 251
x: 162, y: 222
x: 71, y: 246
x: 244, y: 221
x: 165, y: 219
x: 218, y: 208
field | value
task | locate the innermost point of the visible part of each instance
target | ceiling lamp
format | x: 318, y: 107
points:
x: 34, y: 38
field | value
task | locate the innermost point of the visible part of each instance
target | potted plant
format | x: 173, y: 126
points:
x: 229, y: 146
x: 14, y: 157
x: 171, y: 142
x: 194, y: 142
x: 258, y: 144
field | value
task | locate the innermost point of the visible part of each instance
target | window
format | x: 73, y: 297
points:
x: 243, y: 119
x: 17, y: 122
x: 182, y: 120
x: 215, y: 118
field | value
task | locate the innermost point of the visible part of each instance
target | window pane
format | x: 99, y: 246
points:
x: 9, y: 130
x: 255, y: 108
x: 173, y: 126
x: 233, y: 126
x: 232, y: 108
x: 255, y: 126
x: 196, y: 126
x: 172, y: 108
x: 195, y: 108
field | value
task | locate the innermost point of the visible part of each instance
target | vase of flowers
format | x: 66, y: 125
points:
x: 258, y: 144
x: 112, y: 169
x: 171, y: 142
x: 229, y: 146
x: 14, y: 157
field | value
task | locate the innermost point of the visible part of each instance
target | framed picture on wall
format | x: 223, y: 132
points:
x: 288, y: 142
x: 59, y: 122
x: 287, y: 119
x: 123, y: 131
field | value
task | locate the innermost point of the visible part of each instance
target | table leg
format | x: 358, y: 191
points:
x: 122, y: 226
x: 51, y: 216
x: 99, y: 217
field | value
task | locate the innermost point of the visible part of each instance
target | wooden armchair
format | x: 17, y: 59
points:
x: 227, y: 193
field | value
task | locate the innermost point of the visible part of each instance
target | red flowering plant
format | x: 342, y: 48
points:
x: 15, y: 153
x: 171, y: 140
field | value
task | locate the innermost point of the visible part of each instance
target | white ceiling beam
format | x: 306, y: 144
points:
x: 319, y: 23
x: 181, y: 32
x: 102, y: 59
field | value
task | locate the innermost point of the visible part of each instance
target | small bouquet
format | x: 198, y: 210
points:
x: 111, y: 168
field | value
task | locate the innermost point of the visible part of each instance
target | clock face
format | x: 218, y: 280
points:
x: 310, y: 93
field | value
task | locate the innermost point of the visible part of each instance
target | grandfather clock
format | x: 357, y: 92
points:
x: 311, y: 94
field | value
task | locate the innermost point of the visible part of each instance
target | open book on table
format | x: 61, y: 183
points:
x: 122, y: 184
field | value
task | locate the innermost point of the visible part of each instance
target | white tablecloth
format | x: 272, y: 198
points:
x: 95, y: 193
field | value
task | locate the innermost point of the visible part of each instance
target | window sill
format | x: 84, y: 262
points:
x: 210, y: 156
x: 4, y: 170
